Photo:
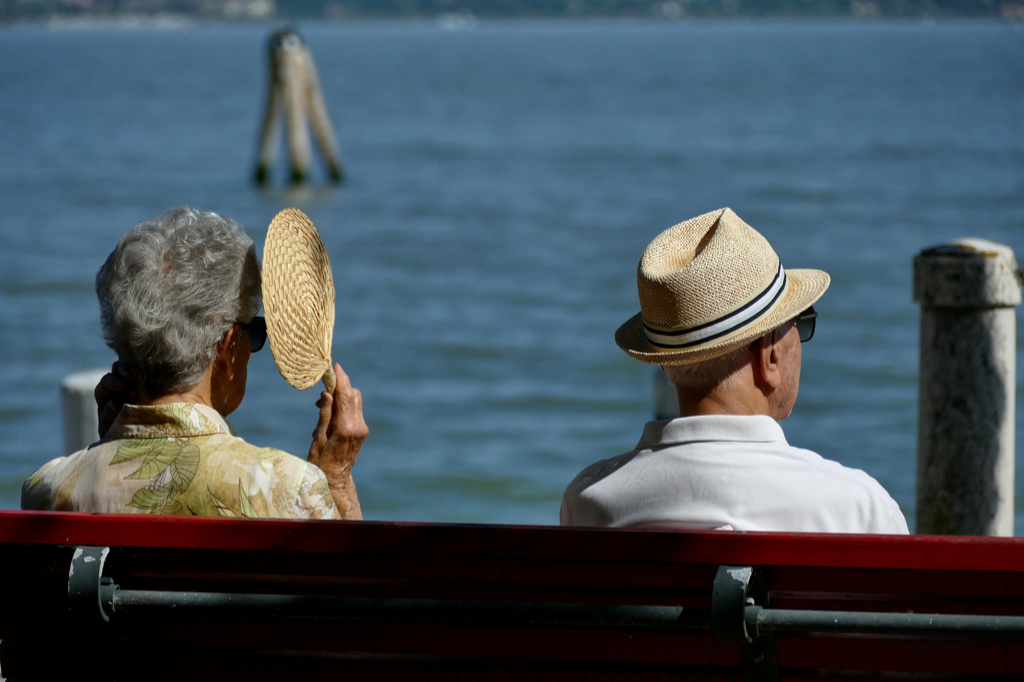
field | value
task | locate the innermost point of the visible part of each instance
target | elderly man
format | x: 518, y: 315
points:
x: 178, y: 302
x: 725, y: 321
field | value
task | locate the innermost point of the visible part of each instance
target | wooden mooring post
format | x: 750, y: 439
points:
x: 295, y: 88
x: 967, y: 387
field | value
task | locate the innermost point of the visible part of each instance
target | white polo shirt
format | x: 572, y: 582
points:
x: 720, y: 471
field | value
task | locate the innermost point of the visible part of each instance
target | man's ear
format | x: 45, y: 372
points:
x: 767, y: 358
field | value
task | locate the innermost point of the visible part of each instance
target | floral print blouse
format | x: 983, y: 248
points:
x: 180, y: 458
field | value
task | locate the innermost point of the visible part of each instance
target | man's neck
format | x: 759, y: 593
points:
x: 733, y: 401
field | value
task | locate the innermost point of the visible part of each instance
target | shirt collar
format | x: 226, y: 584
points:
x: 714, y: 427
x: 172, y: 420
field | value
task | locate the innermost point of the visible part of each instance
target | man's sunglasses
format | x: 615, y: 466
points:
x: 257, y: 328
x: 805, y: 322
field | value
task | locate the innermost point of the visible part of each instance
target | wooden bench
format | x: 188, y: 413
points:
x: 154, y: 598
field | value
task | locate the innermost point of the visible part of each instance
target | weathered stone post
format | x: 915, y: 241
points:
x: 81, y: 423
x: 965, y: 443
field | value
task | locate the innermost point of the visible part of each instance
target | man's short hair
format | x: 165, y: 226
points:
x: 703, y: 376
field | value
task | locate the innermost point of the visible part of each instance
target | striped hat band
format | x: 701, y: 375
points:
x: 723, y: 326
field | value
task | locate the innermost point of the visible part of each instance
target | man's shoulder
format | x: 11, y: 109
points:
x: 854, y: 481
x: 598, y: 471
x: 700, y: 481
x: 584, y: 502
x: 855, y: 491
x: 852, y: 497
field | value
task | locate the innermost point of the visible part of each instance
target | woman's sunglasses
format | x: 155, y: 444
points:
x: 805, y: 322
x: 257, y: 328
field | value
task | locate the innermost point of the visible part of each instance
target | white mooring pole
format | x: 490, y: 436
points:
x: 81, y: 423
x: 666, y: 398
x: 967, y: 387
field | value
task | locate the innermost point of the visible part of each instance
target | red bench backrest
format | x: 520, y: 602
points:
x: 538, y: 565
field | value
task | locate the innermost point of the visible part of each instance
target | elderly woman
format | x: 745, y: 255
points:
x: 178, y: 302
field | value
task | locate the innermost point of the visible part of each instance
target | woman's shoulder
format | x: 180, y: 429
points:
x: 234, y: 448
x: 237, y: 478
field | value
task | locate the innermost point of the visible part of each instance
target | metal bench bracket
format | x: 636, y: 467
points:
x: 89, y: 593
x: 736, y: 588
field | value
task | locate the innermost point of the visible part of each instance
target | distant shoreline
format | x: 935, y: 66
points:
x: 462, y: 13
x: 188, y: 21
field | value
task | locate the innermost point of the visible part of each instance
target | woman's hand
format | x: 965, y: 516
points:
x: 339, y: 435
x: 114, y: 390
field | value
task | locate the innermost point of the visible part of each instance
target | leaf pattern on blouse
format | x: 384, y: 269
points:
x: 180, y: 458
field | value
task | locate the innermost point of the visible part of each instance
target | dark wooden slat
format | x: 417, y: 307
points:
x: 360, y: 567
x: 902, y: 581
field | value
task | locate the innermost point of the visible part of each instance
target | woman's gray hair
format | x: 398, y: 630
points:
x: 170, y: 291
x: 701, y: 377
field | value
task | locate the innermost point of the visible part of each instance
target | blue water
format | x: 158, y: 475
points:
x: 503, y: 182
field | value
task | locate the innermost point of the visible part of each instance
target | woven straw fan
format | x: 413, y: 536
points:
x: 298, y: 300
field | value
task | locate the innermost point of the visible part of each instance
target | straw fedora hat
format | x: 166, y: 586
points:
x: 708, y: 286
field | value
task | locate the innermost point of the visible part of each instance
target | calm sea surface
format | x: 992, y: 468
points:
x: 503, y: 182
